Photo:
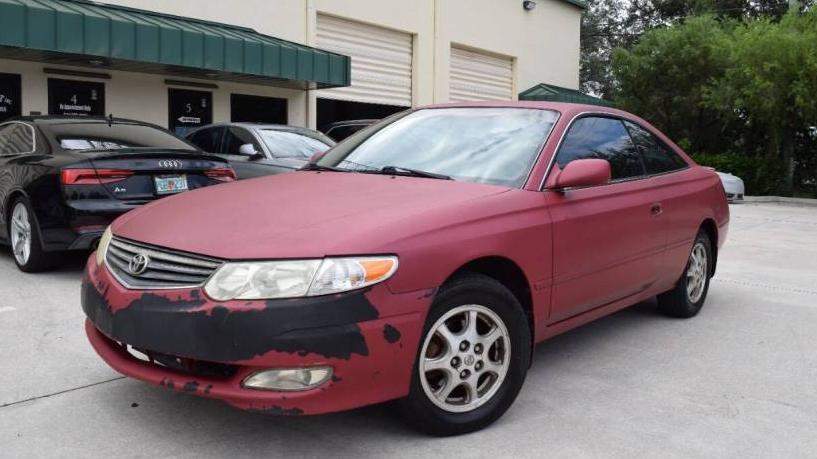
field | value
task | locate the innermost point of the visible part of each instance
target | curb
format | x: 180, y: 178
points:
x: 780, y: 200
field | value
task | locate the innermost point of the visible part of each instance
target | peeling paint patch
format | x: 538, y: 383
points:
x: 326, y: 326
x: 278, y: 411
x: 391, y: 334
x: 190, y: 386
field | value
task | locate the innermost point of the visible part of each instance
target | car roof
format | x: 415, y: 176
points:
x: 251, y: 125
x: 562, y: 107
x: 61, y: 119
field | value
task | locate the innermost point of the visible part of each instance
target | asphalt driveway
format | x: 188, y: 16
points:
x: 739, y: 380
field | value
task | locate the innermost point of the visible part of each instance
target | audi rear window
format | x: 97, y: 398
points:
x: 102, y: 137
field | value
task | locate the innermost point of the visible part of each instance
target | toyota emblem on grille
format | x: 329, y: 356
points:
x: 138, y: 264
x: 170, y: 164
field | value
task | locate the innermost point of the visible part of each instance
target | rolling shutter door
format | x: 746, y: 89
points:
x: 478, y: 76
x: 381, y: 61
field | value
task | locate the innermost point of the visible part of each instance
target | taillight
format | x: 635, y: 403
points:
x: 224, y: 174
x: 93, y: 176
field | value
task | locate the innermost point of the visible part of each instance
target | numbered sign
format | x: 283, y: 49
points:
x: 189, y: 110
x: 10, y: 96
x: 76, y: 98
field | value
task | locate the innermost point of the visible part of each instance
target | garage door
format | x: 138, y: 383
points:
x: 381, y: 61
x: 479, y: 76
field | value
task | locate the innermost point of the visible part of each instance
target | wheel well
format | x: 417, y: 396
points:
x: 507, y: 273
x: 711, y: 229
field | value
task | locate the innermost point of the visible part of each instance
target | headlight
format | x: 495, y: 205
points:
x: 297, y: 278
x: 102, y: 247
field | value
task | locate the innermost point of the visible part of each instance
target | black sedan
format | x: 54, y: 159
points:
x: 63, y: 180
x: 256, y: 149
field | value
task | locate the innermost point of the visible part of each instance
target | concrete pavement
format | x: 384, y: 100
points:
x: 739, y: 380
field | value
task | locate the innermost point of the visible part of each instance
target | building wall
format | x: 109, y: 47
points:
x: 544, y: 44
x: 143, y: 96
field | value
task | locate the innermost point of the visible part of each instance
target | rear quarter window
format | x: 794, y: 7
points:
x: 658, y: 158
x: 16, y: 138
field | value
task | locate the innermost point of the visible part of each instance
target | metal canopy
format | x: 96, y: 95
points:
x: 549, y: 92
x: 79, y: 32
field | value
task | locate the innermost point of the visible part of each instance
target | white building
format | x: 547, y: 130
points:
x: 182, y: 63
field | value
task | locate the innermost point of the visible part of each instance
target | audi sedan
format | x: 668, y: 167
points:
x: 63, y: 180
x: 420, y: 262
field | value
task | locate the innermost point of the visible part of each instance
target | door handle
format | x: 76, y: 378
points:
x: 656, y: 209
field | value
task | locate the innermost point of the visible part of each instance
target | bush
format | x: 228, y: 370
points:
x: 759, y: 175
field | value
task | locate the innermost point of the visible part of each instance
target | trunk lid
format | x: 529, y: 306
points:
x: 147, y: 174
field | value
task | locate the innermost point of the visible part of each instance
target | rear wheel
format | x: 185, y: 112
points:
x: 24, y: 237
x: 472, y: 360
x: 688, y: 296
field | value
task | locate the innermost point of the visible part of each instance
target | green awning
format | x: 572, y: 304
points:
x: 549, y: 92
x: 79, y: 32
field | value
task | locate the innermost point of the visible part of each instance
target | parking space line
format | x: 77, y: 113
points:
x: 777, y: 288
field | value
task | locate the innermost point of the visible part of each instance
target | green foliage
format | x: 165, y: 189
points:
x: 760, y: 177
x: 747, y: 86
x: 770, y: 80
x: 663, y: 78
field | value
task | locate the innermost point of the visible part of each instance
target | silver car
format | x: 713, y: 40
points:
x: 733, y: 185
x: 254, y: 149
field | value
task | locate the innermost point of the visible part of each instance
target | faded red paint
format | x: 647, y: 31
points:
x: 585, y: 254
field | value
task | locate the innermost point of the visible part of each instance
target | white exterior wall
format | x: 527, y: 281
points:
x: 543, y: 43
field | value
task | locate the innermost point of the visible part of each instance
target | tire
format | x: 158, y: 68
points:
x: 496, y: 369
x: 687, y: 297
x: 24, y: 238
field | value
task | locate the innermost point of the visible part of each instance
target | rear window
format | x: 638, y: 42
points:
x: 100, y: 136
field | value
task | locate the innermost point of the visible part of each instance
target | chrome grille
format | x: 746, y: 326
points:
x: 164, y: 269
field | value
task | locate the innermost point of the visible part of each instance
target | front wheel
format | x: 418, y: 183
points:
x: 472, y: 360
x: 688, y: 296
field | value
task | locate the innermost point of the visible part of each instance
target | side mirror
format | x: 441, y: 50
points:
x: 248, y: 149
x: 583, y: 172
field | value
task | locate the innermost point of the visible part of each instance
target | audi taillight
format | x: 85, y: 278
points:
x: 93, y: 176
x: 224, y: 174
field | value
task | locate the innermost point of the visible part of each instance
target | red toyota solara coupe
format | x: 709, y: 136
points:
x: 420, y: 259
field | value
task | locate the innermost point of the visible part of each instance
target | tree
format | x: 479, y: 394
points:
x: 771, y: 82
x: 664, y: 77
x: 610, y: 24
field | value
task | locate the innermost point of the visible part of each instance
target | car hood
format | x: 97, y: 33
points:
x: 300, y: 215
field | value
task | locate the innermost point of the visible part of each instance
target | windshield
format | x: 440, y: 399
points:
x: 291, y: 144
x: 486, y: 145
x: 99, y: 136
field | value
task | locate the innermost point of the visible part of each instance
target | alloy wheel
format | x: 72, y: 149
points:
x: 20, y: 233
x: 464, y: 359
x: 697, y: 272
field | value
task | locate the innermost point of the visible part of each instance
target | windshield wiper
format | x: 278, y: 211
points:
x: 399, y: 170
x: 319, y: 167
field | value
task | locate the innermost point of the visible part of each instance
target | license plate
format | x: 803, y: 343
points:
x: 171, y: 184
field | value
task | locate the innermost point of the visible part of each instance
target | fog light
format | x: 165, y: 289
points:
x: 288, y: 379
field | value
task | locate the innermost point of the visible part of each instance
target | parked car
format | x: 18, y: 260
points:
x: 340, y: 130
x: 254, y: 150
x: 63, y: 179
x: 419, y: 262
x: 733, y: 186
